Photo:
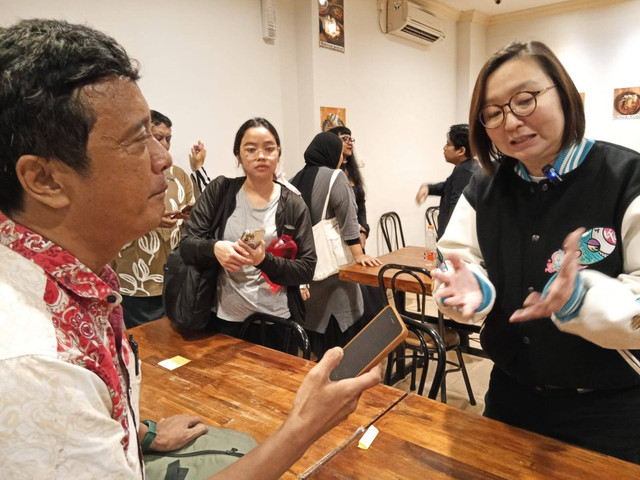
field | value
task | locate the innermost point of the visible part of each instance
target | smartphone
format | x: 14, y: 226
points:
x: 185, y: 209
x: 252, y: 237
x: 381, y: 335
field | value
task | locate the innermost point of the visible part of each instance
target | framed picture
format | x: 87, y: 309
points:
x: 332, y: 117
x: 331, y: 24
x: 626, y: 102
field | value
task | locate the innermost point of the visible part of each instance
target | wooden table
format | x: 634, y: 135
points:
x: 423, y: 439
x: 412, y: 256
x: 239, y: 385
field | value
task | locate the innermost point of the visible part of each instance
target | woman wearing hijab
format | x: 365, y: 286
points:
x: 334, y: 306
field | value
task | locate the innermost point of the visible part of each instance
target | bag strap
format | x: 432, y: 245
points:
x: 334, y: 175
x: 631, y: 359
x: 226, y: 196
x: 233, y: 452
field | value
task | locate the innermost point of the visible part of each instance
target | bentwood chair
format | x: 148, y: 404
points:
x: 423, y: 341
x: 291, y: 328
x: 449, y: 337
x: 392, y: 233
x: 431, y: 218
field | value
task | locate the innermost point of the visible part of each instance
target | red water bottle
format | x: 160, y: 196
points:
x: 284, y: 247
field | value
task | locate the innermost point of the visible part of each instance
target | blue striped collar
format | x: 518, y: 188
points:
x: 568, y: 159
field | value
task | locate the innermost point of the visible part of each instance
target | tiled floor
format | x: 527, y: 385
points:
x: 478, y: 369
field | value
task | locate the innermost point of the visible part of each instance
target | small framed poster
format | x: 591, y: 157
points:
x: 626, y: 102
x: 332, y: 117
x: 331, y: 23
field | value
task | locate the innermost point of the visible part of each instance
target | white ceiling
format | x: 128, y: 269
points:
x: 490, y: 8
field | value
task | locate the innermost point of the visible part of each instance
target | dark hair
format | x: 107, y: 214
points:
x: 44, y: 65
x: 158, y: 119
x: 350, y: 164
x: 253, y: 123
x: 459, y: 137
x: 574, y: 122
x: 341, y: 130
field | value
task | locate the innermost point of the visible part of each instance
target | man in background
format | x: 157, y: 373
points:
x: 457, y: 151
x: 199, y: 177
x: 81, y: 175
x: 140, y: 264
x: 161, y: 129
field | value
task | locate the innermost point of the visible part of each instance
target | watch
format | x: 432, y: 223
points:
x: 149, y: 436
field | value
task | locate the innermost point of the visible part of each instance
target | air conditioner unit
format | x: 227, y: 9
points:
x: 410, y: 20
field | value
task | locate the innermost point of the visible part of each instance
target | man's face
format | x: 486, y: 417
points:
x: 451, y: 154
x: 162, y: 133
x: 122, y: 195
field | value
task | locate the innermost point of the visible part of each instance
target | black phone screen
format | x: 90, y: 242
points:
x: 376, y: 340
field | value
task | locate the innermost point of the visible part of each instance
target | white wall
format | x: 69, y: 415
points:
x: 206, y: 66
x: 599, y: 48
x: 400, y: 100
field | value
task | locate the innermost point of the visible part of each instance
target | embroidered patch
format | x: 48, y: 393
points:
x: 595, y: 245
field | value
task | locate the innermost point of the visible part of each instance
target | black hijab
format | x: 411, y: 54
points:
x: 323, y: 151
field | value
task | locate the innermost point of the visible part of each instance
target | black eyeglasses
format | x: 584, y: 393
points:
x: 347, y: 139
x: 522, y: 104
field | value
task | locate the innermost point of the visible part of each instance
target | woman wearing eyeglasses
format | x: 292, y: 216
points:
x: 370, y: 295
x: 350, y: 167
x: 230, y: 206
x: 547, y: 245
x: 334, y: 307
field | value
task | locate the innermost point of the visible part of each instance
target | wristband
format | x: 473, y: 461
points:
x: 150, y: 436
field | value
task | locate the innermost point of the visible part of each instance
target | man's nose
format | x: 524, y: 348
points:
x: 160, y: 156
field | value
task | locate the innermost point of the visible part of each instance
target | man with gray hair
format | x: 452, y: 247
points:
x: 72, y: 120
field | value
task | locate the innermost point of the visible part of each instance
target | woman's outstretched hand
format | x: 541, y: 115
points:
x: 367, y: 260
x: 458, y: 288
x: 560, y: 290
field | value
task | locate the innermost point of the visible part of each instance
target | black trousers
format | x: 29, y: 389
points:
x: 607, y: 421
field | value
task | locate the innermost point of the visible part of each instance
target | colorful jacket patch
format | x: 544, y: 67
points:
x: 595, y: 245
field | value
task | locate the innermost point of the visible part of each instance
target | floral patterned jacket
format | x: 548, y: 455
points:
x: 139, y: 264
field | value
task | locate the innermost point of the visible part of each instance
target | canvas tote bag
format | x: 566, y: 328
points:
x: 331, y: 249
x: 201, y: 458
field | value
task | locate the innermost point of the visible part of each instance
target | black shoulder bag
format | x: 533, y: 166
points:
x: 187, y: 291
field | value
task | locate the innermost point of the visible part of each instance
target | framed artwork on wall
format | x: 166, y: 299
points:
x: 331, y: 24
x: 626, y: 102
x: 332, y: 117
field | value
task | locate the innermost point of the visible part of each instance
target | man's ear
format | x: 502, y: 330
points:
x: 40, y: 179
x: 462, y: 151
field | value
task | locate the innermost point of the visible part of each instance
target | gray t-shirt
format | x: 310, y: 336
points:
x: 246, y: 291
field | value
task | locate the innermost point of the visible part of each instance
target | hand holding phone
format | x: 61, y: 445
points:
x: 184, y: 210
x: 375, y: 341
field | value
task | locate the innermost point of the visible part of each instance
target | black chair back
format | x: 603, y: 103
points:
x: 302, y: 340
x: 419, y: 328
x: 431, y: 216
x: 392, y: 233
